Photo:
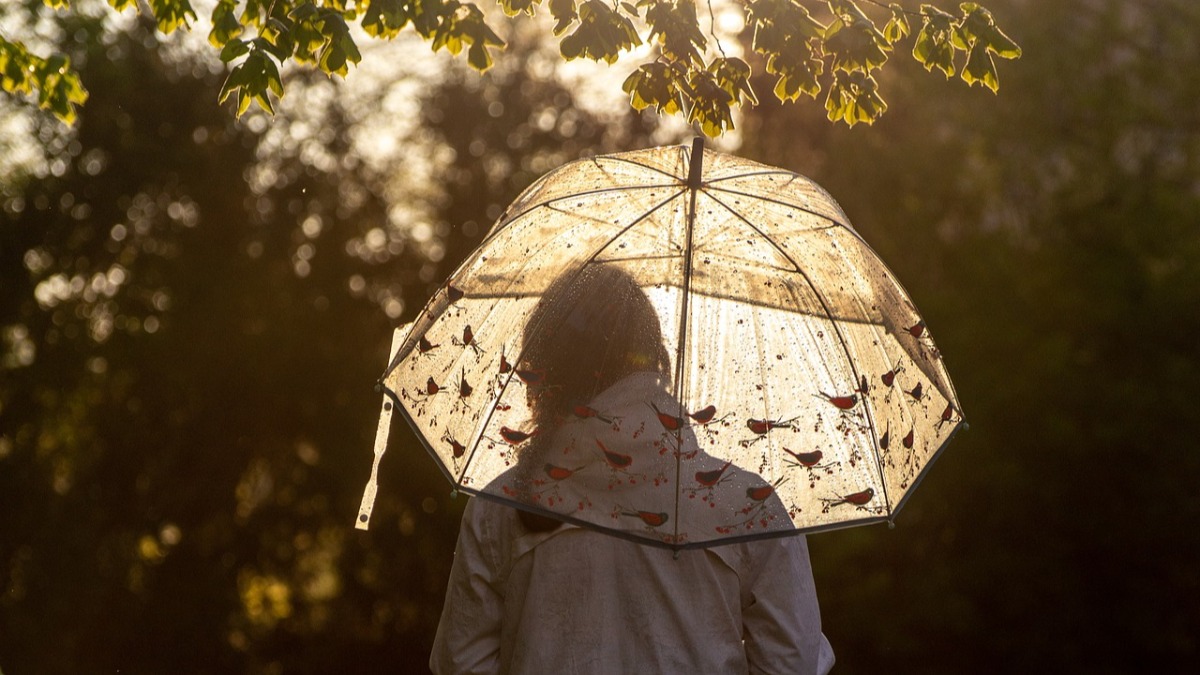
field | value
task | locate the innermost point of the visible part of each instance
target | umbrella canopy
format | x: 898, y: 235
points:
x: 678, y: 346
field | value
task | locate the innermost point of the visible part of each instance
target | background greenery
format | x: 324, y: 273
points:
x: 194, y: 311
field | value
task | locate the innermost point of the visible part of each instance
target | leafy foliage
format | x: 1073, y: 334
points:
x: 57, y: 87
x: 841, y: 53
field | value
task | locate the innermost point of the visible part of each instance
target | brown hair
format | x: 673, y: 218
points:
x: 591, y: 329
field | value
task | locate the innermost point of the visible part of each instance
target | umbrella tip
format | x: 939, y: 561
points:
x: 697, y: 163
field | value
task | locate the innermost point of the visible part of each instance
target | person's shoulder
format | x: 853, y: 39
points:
x: 487, y: 518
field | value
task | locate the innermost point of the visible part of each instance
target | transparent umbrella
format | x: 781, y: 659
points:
x: 676, y: 346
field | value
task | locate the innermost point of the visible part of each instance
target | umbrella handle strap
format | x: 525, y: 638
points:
x: 381, y: 440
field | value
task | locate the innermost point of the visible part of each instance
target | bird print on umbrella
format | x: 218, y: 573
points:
x: 706, y: 482
x: 762, y: 427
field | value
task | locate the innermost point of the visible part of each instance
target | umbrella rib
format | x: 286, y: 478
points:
x: 780, y: 202
x: 837, y: 329
x: 574, y: 195
x: 778, y: 172
x: 597, y: 162
x: 750, y: 174
x: 625, y: 160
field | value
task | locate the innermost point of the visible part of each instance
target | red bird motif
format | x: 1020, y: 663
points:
x: 916, y: 330
x: 648, y: 517
x: 947, y: 415
x: 587, y: 412
x: 558, y: 472
x: 857, y: 498
x: 711, y: 478
x: 890, y: 376
x: 704, y: 415
x: 806, y: 459
x: 457, y: 448
x: 615, y: 459
x: 453, y: 293
x: 763, y: 426
x: 515, y: 437
x: 669, y: 422
x: 915, y: 392
x: 841, y: 402
x: 468, y: 339
x: 424, y: 345
x: 432, y: 387
x: 908, y: 439
x: 760, y: 493
x: 862, y: 385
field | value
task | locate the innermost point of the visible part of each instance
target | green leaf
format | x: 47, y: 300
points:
x: 251, y: 80
x: 57, y: 87
x: 732, y: 75
x: 798, y: 68
x: 710, y: 103
x: 564, y: 14
x: 981, y: 68
x: 788, y: 35
x: 255, y: 12
x: 1002, y: 45
x: 463, y: 26
x: 855, y: 43
x: 854, y: 98
x: 978, y: 25
x: 602, y: 34
x: 172, y: 14
x: 15, y: 67
x: 656, y: 84
x: 478, y: 57
x: 515, y: 7
x: 933, y: 47
x: 234, y: 49
x: 385, y: 18
x: 338, y: 53
x: 673, y: 25
x: 897, y: 27
x: 225, y: 25
x: 775, y: 23
x: 276, y: 39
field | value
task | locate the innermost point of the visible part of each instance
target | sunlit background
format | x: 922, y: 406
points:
x: 194, y: 311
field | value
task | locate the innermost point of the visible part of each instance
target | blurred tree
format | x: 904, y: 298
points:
x: 840, y: 50
x: 166, y: 430
x: 1049, y: 237
x: 193, y: 312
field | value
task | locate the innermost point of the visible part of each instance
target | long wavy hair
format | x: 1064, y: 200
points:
x: 590, y: 330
